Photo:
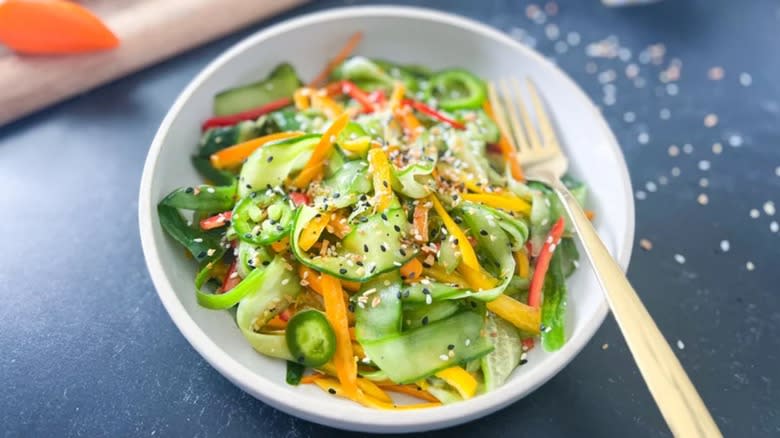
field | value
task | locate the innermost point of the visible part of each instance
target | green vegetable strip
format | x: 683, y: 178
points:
x: 294, y: 373
x: 554, y: 305
x: 203, y: 198
x: 218, y: 177
x: 201, y: 245
x: 383, y: 319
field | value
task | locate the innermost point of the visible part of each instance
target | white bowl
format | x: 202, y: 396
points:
x: 401, y: 34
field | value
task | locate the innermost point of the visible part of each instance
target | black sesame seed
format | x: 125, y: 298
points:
x: 359, y: 263
x: 455, y: 241
x: 397, y: 228
x: 343, y: 271
x: 270, y: 158
x: 201, y: 254
x: 483, y: 232
x: 248, y: 235
x: 523, y: 361
x: 403, y: 253
x: 457, y: 220
x: 351, y: 307
x: 266, y: 262
x: 363, y: 219
x: 384, y: 183
x: 406, y: 293
x: 365, y: 248
x: 425, y: 320
x: 336, y: 195
x: 189, y: 190
x: 331, y: 390
x: 398, y: 295
x: 426, y: 291
x: 383, y: 247
x: 249, y: 186
x: 384, y: 217
x: 451, y: 347
x: 363, y: 197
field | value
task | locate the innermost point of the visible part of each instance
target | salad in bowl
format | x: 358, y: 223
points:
x: 373, y: 229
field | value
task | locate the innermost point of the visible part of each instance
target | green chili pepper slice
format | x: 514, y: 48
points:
x: 262, y: 217
x: 310, y: 338
x: 457, y: 89
x: 294, y: 373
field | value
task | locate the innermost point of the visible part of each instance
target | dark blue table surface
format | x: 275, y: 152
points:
x: 87, y: 349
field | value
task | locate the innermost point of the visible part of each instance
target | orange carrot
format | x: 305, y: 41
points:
x: 338, y: 225
x: 380, y: 171
x: 411, y: 271
x: 281, y: 245
x: 507, y: 151
x: 336, y: 312
x: 236, y: 154
x: 348, y: 48
x: 313, y: 167
x: 46, y: 27
x: 420, y: 225
x: 311, y: 378
x: 413, y: 390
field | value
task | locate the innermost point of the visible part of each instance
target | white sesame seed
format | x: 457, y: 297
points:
x: 725, y: 245
x: 754, y: 213
x: 444, y: 357
x: 679, y: 258
x: 428, y: 299
x: 745, y: 79
x: 285, y: 281
x: 198, y: 239
x: 468, y: 342
x: 704, y: 165
x: 680, y: 344
x: 211, y: 252
x: 769, y: 208
x: 663, y: 180
x: 750, y: 266
x: 646, y: 244
x: 604, y: 346
x: 573, y: 38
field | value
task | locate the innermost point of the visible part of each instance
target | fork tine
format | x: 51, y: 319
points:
x: 546, y: 128
x: 533, y: 136
x: 517, y: 127
x: 500, y: 116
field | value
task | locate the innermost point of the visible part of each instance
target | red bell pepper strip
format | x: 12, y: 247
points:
x: 250, y: 114
x: 231, y: 278
x: 216, y: 221
x: 299, y: 198
x: 425, y: 109
x: 528, y: 343
x: 378, y: 97
x: 359, y: 95
x: 543, y: 262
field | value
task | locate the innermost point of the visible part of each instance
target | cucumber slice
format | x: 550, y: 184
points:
x: 373, y: 247
x: 507, y: 349
x: 270, y: 165
x: 418, y: 315
x: 281, y: 82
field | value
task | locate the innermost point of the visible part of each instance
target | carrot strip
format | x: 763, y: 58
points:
x: 338, y: 224
x: 348, y: 48
x: 311, y: 378
x: 543, y: 262
x: 372, y: 390
x: 236, y: 154
x: 408, y: 121
x: 314, y: 166
x: 507, y: 151
x: 411, y: 271
x: 412, y: 390
x: 420, y: 224
x: 352, y: 286
x: 334, y: 387
x: 466, y: 250
x: 281, y: 245
x: 336, y: 312
x: 46, y: 27
x: 216, y: 221
x: 276, y: 323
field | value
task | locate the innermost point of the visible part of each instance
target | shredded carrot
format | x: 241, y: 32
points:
x: 420, y: 225
x: 466, y: 251
x: 408, y: 121
x: 312, y: 231
x: 235, y: 155
x: 372, y: 390
x: 411, y: 271
x: 336, y: 312
x: 348, y: 48
x: 311, y: 277
x: 311, y: 378
x: 321, y: 101
x: 523, y: 265
x: 276, y: 323
x: 352, y: 335
x: 334, y: 387
x: 47, y: 27
x: 338, y: 224
x: 380, y: 171
x: 357, y: 348
x: 507, y: 151
x: 281, y: 245
x: 313, y: 167
x: 397, y: 96
x: 504, y: 202
x: 413, y: 390
x: 521, y: 315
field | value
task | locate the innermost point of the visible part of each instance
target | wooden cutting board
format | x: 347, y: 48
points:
x: 149, y: 30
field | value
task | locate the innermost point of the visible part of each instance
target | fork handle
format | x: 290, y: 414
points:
x: 675, y: 395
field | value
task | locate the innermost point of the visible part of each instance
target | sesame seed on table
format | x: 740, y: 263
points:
x: 688, y: 86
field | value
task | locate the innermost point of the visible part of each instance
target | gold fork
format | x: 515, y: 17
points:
x: 539, y: 151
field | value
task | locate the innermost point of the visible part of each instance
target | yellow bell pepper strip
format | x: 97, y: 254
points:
x: 459, y: 379
x: 332, y: 386
x: 281, y: 245
x: 507, y: 151
x: 508, y: 203
x: 301, y: 98
x: 348, y: 48
x: 380, y: 171
x: 439, y: 274
x: 235, y: 155
x: 524, y: 317
x: 336, y: 312
x: 321, y: 101
x: 409, y: 389
x: 357, y: 146
x: 477, y: 279
x: 523, y: 265
x: 313, y: 167
x: 370, y: 389
x: 543, y: 262
x: 411, y: 271
x: 466, y: 251
x: 397, y: 96
x: 420, y: 221
x: 311, y: 233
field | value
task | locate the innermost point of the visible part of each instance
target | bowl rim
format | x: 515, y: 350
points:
x: 370, y: 420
